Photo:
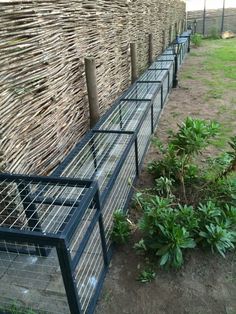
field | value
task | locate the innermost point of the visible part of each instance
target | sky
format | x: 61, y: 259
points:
x: 193, y: 5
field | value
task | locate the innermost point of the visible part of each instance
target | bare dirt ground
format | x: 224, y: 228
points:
x: 206, y: 283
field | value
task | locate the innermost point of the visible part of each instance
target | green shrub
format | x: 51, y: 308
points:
x: 206, y: 215
x: 168, y: 230
x: 121, y: 228
x: 196, y: 39
x: 146, y: 275
x: 214, y: 34
x: 178, y: 155
x: 163, y: 230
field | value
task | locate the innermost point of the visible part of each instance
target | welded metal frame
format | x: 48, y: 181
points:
x: 62, y: 240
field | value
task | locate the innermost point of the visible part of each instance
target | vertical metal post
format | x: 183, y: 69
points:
x: 31, y: 214
x: 176, y: 29
x: 168, y: 82
x: 162, y: 97
x: 189, y: 43
x: 133, y: 55
x: 94, y: 153
x: 195, y: 26
x: 170, y: 35
x: 101, y: 229
x: 91, y: 80
x: 68, y: 279
x: 163, y: 40
x: 120, y: 115
x: 223, y: 17
x: 136, y: 156
x: 150, y: 53
x: 152, y: 118
x: 204, y: 19
x: 175, y: 80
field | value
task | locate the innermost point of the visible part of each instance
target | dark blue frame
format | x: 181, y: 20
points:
x: 62, y: 240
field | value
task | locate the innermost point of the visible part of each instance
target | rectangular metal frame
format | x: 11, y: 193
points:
x: 61, y: 241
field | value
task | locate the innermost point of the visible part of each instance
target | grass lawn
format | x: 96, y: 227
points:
x: 206, y: 283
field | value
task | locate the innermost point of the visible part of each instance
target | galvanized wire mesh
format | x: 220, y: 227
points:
x: 30, y: 282
x: 74, y: 207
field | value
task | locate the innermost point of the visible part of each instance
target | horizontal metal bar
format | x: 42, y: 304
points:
x: 52, y: 201
x: 164, y: 61
x: 114, y: 131
x: 166, y: 69
x: 24, y: 236
x: 149, y: 82
x: 41, y: 179
x: 137, y: 99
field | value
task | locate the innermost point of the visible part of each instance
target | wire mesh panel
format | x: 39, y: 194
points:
x: 35, y: 212
x: 143, y: 91
x: 119, y: 194
x: 125, y: 116
x: 158, y: 103
x: 55, y: 231
x: 38, y: 205
x: 97, y: 159
x: 165, y: 65
x: 144, y: 135
x: 89, y: 269
x: 31, y: 283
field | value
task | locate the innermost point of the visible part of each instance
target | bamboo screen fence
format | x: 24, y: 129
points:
x: 43, y: 100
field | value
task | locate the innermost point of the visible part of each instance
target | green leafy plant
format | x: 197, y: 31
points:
x: 146, y: 275
x: 164, y: 186
x: 163, y: 230
x: 196, y: 39
x: 177, y: 162
x: 219, y: 237
x: 121, y: 228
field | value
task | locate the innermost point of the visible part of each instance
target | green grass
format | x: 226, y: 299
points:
x: 222, y: 140
x: 221, y: 62
x: 15, y: 309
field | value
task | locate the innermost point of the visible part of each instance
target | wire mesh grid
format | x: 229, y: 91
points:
x: 165, y: 65
x: 157, y: 106
x: 38, y: 206
x: 88, y: 271
x: 144, y: 135
x: 31, y: 273
x: 29, y: 282
x: 125, y: 116
x: 154, y: 76
x: 98, y: 158
x: 143, y: 91
x: 119, y: 194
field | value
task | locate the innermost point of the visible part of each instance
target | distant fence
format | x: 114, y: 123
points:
x: 55, y: 231
x: 215, y: 21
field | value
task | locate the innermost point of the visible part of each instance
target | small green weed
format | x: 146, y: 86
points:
x: 196, y: 40
x: 121, y: 229
x: 146, y: 275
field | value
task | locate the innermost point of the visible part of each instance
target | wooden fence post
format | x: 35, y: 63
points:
x: 91, y: 80
x: 150, y: 57
x: 163, y: 40
x: 133, y: 55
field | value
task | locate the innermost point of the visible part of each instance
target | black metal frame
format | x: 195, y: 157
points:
x: 62, y: 240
